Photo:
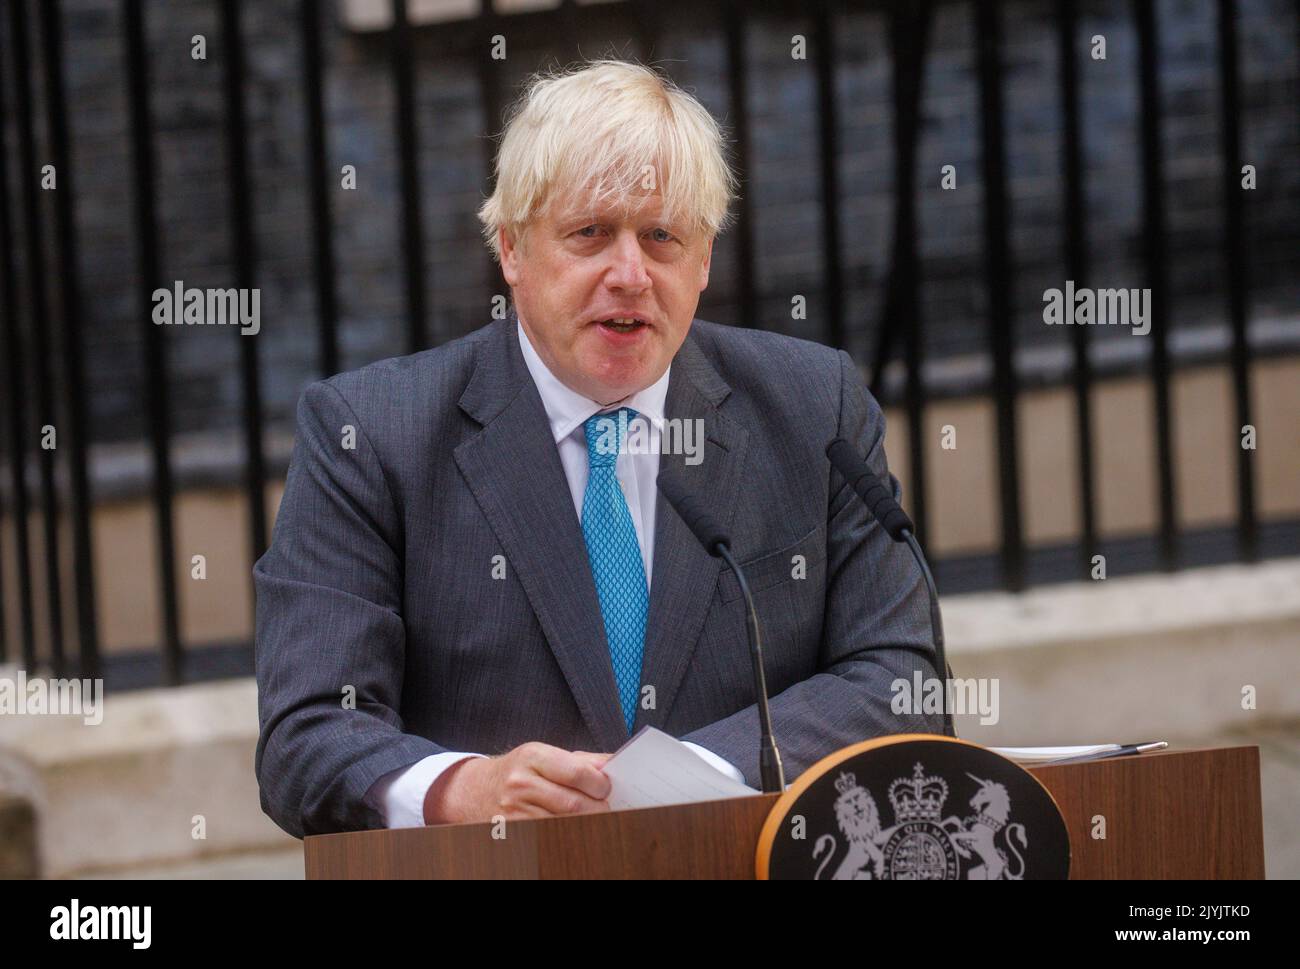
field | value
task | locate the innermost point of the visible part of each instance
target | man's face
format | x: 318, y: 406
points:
x: 577, y: 273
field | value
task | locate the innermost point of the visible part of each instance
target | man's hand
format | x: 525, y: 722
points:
x: 534, y: 780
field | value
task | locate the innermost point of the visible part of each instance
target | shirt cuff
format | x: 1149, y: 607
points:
x: 716, y: 762
x: 398, y: 796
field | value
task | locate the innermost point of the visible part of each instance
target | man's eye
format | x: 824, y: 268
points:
x: 662, y: 235
x: 583, y: 231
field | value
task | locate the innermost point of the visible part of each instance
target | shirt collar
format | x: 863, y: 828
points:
x: 567, y: 410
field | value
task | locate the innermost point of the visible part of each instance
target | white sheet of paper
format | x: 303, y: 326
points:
x: 1042, y: 755
x: 653, y: 769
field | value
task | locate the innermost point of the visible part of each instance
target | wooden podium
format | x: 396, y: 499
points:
x: 1172, y: 814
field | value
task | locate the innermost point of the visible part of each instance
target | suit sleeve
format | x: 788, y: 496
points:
x: 876, y: 626
x: 330, y: 652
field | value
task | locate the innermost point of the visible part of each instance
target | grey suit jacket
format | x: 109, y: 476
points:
x: 386, y: 632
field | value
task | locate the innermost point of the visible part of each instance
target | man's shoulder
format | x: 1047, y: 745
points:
x: 762, y: 348
x: 772, y: 369
x: 432, y: 376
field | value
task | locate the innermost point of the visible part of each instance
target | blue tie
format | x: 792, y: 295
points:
x: 615, y: 555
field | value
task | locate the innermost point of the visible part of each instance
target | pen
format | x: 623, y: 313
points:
x: 1120, y: 751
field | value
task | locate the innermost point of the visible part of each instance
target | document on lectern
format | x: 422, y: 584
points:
x: 1042, y: 756
x: 653, y: 770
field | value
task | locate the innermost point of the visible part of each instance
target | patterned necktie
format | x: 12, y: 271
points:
x: 615, y: 555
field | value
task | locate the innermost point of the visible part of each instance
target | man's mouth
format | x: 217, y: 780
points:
x: 623, y: 324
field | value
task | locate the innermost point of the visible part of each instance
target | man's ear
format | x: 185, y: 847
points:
x: 509, y: 252
x: 704, y: 266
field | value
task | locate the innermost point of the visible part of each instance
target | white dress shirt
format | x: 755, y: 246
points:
x: 399, y: 795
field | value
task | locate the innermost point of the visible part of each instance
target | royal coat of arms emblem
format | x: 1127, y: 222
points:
x: 922, y: 844
x: 1000, y: 820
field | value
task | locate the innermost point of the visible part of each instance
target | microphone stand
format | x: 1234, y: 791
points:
x: 769, y: 758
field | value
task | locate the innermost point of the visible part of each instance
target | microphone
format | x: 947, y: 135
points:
x: 880, y: 502
x: 717, y: 543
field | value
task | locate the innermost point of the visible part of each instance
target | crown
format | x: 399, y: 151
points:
x: 987, y: 820
x: 918, y: 799
x: 845, y: 782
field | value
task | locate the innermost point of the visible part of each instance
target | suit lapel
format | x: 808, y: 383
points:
x: 513, y: 469
x: 685, y: 575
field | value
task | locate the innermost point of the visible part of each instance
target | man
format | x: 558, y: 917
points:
x: 474, y: 593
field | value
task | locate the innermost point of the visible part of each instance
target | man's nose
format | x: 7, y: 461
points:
x: 628, y: 271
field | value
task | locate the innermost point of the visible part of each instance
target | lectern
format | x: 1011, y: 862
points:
x: 1172, y: 814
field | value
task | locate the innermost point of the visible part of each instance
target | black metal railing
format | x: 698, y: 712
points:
x: 36, y: 392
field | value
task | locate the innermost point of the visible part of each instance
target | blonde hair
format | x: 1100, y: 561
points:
x: 618, y: 130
